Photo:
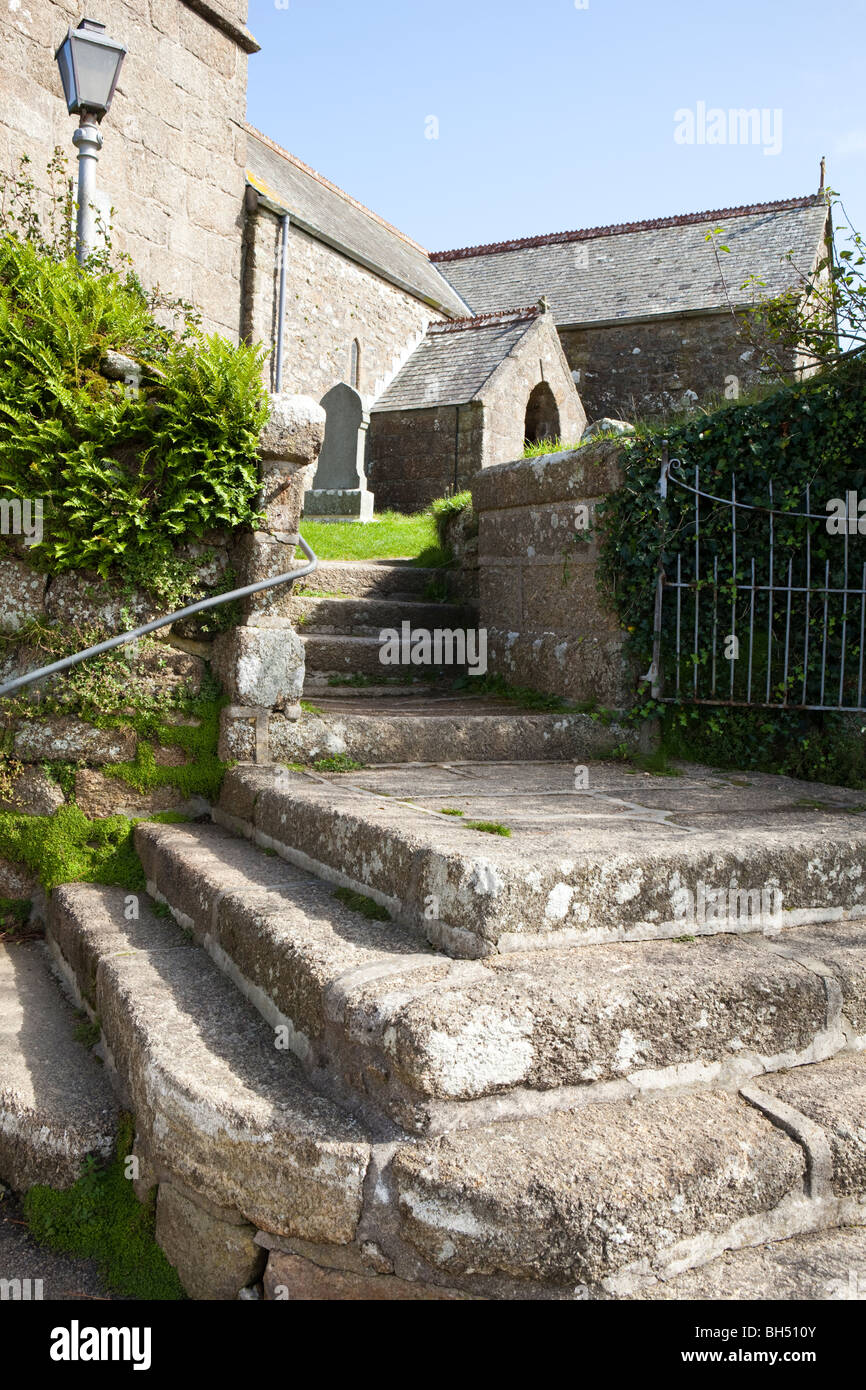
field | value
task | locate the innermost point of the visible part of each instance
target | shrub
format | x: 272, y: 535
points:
x: 125, y: 480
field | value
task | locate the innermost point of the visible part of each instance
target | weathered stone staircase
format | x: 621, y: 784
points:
x: 373, y: 713
x: 419, y: 1102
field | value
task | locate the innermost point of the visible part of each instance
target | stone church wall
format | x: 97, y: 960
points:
x: 331, y: 301
x: 173, y: 164
x: 644, y: 369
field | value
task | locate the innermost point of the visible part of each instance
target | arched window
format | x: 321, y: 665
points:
x: 542, y: 415
x: 355, y: 364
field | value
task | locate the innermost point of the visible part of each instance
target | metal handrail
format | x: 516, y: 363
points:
x: 215, y: 602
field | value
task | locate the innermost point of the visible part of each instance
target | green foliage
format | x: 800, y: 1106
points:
x: 340, y: 762
x: 444, y: 509
x: 201, y: 776
x: 795, y: 743
x: 814, y: 435
x: 822, y: 315
x: 488, y: 827
x: 550, y: 446
x: 450, y: 811
x: 359, y: 902
x: 125, y: 480
x: 66, y: 847
x: 14, y: 918
x: 101, y: 1219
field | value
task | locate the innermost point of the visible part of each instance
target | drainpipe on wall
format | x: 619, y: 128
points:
x: 281, y: 311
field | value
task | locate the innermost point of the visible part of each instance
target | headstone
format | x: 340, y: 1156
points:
x: 339, y: 491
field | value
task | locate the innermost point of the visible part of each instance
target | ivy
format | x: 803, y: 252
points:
x: 810, y: 435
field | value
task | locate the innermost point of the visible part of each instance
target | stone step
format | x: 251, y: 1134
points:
x: 367, y: 617
x: 361, y: 656
x: 820, y: 1266
x: 390, y: 731
x: 216, y: 1103
x: 619, y: 856
x: 372, y: 579
x: 436, y: 1043
x: 56, y: 1104
x: 600, y: 1200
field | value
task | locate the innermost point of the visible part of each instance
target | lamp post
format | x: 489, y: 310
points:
x: 89, y: 64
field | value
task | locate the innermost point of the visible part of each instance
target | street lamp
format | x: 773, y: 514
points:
x: 89, y: 64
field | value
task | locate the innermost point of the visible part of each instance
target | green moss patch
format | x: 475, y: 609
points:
x: 488, y: 827
x: 359, y: 902
x: 101, y: 1219
x: 66, y: 847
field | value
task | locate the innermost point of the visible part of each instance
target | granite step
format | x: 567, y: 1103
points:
x: 604, y: 1199
x: 435, y: 1043
x: 367, y: 617
x: 621, y: 856
x: 56, y: 1104
x: 409, y: 724
x: 372, y: 579
x: 334, y: 654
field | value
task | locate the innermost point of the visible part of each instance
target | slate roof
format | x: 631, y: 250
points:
x: 329, y: 214
x: 641, y: 269
x: 452, y: 363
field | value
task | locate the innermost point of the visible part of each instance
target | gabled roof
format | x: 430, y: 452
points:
x: 327, y: 213
x: 455, y: 360
x: 642, y: 269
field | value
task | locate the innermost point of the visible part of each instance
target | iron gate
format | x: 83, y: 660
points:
x: 756, y: 604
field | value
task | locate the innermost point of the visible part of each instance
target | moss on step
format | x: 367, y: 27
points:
x: 359, y: 902
x: 66, y: 847
x: 101, y: 1219
x: 339, y: 762
x: 488, y: 827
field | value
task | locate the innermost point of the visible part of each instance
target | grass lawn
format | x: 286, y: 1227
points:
x: 390, y: 536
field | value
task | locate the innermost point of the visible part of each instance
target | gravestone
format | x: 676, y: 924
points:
x: 339, y: 491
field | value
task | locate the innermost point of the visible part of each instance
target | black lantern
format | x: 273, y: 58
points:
x: 90, y: 64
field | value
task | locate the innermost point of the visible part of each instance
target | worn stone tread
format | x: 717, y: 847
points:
x: 612, y: 862
x: 417, y: 1034
x: 366, y: 579
x: 816, y: 1267
x: 216, y: 1102
x: 56, y: 1102
x: 365, y: 617
x: 355, y: 656
x: 442, y: 729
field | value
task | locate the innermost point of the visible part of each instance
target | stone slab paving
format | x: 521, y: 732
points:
x: 596, y: 852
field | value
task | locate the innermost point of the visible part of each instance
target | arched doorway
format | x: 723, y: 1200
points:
x: 542, y: 415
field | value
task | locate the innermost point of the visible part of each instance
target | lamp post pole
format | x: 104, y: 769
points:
x: 88, y: 141
x: 89, y: 63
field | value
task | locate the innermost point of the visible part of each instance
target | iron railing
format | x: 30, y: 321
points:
x: 216, y: 601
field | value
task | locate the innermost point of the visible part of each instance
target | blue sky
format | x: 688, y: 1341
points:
x: 551, y: 116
